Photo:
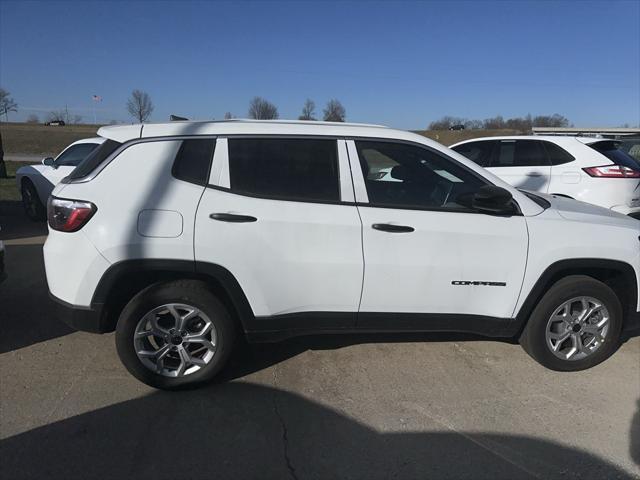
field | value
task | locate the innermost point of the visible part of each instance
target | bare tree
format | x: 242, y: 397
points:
x: 6, y: 105
x: 555, y: 120
x: 228, y: 116
x: 472, y: 124
x: 446, y: 122
x: 76, y: 119
x: 140, y: 106
x: 33, y: 118
x: 334, y: 111
x: 495, y: 123
x: 261, y: 109
x: 308, y: 110
x: 58, y: 116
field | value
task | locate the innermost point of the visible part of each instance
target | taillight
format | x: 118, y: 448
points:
x: 612, y: 171
x: 68, y: 215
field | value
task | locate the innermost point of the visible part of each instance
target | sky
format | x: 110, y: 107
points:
x: 393, y: 63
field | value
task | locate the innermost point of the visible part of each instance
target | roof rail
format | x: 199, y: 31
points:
x: 297, y: 122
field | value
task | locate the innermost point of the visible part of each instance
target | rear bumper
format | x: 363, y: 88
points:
x: 86, y: 319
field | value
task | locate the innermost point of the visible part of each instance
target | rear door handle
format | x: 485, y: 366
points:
x: 230, y: 217
x: 534, y: 174
x: 388, y: 227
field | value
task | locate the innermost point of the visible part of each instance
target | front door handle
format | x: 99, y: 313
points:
x: 388, y: 227
x: 534, y: 174
x: 230, y: 217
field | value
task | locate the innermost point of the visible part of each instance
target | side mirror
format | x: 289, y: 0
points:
x: 493, y: 200
x: 49, y: 162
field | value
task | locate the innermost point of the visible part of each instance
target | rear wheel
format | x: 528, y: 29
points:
x: 174, y: 334
x: 31, y: 201
x: 575, y: 326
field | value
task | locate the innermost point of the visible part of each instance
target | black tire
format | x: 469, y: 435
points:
x: 33, y: 207
x: 189, y: 292
x: 533, y: 338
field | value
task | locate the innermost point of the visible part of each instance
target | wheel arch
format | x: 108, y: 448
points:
x: 123, y: 280
x: 37, y: 182
x: 618, y: 275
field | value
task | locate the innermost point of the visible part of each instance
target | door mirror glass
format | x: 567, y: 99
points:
x: 49, y: 162
x: 493, y: 200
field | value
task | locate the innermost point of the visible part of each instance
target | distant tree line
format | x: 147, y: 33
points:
x: 262, y: 109
x: 58, y: 116
x: 523, y: 124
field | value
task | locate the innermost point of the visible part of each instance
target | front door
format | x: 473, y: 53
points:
x: 427, y: 254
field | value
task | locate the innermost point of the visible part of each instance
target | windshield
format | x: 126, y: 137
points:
x: 73, y: 155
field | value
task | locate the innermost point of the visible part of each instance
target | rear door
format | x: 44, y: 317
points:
x: 279, y: 215
x: 522, y: 163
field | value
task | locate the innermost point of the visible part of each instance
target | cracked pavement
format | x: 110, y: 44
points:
x: 392, y: 406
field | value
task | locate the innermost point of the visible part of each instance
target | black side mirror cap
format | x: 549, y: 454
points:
x: 493, y: 200
x: 49, y: 162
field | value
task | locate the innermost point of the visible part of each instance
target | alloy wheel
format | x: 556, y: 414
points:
x: 577, y: 328
x: 175, y: 340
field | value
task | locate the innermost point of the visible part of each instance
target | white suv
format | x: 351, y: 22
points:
x: 592, y: 170
x: 181, y: 236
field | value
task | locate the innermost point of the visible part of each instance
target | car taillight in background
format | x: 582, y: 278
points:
x: 612, y: 171
x: 68, y: 215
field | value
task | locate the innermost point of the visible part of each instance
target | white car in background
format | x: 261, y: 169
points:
x: 592, y: 170
x: 36, y: 182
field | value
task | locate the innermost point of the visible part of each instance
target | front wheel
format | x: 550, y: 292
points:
x: 175, y: 334
x: 576, y: 325
x: 31, y: 202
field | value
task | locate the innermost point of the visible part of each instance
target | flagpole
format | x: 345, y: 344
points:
x: 96, y: 99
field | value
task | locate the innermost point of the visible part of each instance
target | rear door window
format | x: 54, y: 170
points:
x: 299, y: 169
x: 520, y: 153
x: 477, y: 152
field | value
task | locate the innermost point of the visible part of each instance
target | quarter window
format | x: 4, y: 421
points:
x: 285, y: 168
x: 93, y: 160
x: 403, y: 175
x: 193, y: 160
x: 557, y: 155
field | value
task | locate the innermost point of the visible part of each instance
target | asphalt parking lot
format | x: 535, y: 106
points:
x: 402, y: 406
